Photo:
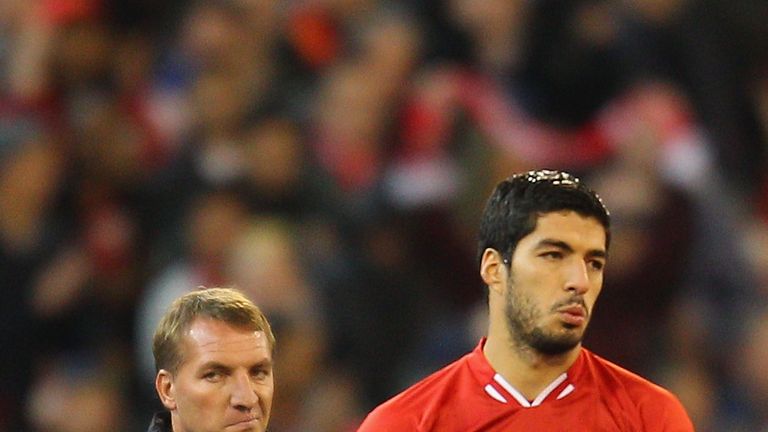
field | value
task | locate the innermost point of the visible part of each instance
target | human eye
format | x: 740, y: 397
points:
x: 213, y: 375
x: 596, y: 264
x: 261, y: 372
x: 551, y: 255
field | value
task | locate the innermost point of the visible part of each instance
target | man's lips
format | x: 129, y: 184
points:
x: 574, y: 314
x: 245, y: 421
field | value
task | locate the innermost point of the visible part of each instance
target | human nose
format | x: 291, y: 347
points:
x: 578, y: 278
x: 243, y: 395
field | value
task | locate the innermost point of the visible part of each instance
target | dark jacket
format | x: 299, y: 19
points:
x: 161, y: 422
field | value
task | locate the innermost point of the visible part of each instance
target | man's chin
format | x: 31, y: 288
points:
x: 555, y: 345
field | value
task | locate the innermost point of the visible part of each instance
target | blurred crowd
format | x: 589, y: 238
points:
x: 331, y: 158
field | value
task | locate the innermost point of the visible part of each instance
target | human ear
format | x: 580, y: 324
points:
x: 166, y: 389
x: 493, y: 270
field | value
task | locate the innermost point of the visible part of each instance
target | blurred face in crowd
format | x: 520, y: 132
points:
x: 224, y: 383
x: 556, y: 275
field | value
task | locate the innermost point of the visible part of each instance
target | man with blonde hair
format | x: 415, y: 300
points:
x: 213, y: 355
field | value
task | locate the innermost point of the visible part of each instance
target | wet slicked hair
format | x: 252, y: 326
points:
x: 224, y: 304
x: 516, y: 203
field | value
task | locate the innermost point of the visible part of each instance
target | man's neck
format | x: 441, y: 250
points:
x: 176, y: 425
x: 526, y: 369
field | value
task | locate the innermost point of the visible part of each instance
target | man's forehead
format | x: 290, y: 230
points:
x: 215, y: 335
x: 570, y: 224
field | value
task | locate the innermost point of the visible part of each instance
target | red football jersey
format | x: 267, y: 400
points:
x: 593, y: 395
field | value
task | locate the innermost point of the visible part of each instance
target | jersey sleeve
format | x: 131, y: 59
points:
x: 665, y: 414
x: 383, y: 419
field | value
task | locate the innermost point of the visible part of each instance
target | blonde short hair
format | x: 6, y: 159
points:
x: 225, y: 304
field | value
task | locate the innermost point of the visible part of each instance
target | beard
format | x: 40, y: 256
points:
x: 522, y: 317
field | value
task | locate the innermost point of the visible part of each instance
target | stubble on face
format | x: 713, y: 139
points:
x: 211, y: 346
x: 523, y: 316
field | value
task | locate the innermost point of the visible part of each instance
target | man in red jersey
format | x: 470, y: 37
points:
x: 543, y: 245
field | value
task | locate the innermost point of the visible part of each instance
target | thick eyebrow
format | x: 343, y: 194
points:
x: 268, y: 363
x: 559, y: 244
x: 214, y: 365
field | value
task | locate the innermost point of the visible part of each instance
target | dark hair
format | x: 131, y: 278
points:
x: 516, y: 203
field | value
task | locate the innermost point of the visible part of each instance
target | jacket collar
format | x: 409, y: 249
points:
x: 161, y: 422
